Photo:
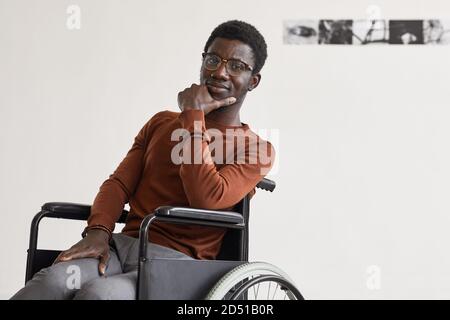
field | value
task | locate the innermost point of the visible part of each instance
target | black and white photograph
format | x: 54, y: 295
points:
x: 436, y: 31
x: 406, y: 31
x: 300, y: 31
x: 335, y: 32
x: 370, y: 32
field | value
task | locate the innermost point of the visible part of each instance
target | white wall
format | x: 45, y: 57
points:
x: 363, y: 173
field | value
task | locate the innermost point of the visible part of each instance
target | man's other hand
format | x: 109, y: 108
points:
x: 94, y: 245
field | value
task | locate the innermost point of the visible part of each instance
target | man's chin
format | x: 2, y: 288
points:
x: 218, y: 95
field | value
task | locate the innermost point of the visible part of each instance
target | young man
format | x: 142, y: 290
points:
x: 159, y: 171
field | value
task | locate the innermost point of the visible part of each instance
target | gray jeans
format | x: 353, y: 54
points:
x: 79, y: 279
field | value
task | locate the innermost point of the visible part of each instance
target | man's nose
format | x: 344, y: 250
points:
x: 221, y: 72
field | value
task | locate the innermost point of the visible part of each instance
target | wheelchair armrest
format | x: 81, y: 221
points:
x: 266, y: 184
x: 200, y: 214
x: 184, y: 215
x: 66, y: 210
x: 73, y: 211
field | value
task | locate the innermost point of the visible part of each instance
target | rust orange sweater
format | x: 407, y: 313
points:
x: 148, y: 177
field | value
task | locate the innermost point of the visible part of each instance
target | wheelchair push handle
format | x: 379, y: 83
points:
x: 266, y: 184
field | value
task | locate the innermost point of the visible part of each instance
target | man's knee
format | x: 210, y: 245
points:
x: 121, y: 287
x: 54, y: 276
x: 70, y: 274
x: 61, y: 280
x: 58, y: 281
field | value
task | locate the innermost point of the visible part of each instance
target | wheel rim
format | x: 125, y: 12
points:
x: 288, y: 289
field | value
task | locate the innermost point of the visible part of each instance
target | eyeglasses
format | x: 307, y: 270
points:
x: 234, y: 67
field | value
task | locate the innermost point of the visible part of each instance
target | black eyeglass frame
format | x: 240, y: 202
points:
x: 205, y: 54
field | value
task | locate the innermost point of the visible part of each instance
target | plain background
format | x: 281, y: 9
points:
x: 361, y: 207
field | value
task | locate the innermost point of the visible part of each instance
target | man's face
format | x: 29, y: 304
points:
x: 222, y: 85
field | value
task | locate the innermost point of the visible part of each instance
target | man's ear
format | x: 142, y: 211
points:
x: 254, y: 81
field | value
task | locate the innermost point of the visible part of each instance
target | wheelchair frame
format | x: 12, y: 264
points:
x: 234, y: 251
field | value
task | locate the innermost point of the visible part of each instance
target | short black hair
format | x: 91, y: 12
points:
x: 245, y: 32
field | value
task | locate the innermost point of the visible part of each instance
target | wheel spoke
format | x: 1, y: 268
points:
x: 257, y: 290
x: 275, y: 292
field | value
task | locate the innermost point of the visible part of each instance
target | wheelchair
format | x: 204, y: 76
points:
x: 229, y: 277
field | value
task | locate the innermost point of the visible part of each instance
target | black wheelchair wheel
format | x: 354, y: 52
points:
x: 254, y: 281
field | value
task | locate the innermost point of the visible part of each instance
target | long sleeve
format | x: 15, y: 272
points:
x: 211, y: 188
x: 115, y: 192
